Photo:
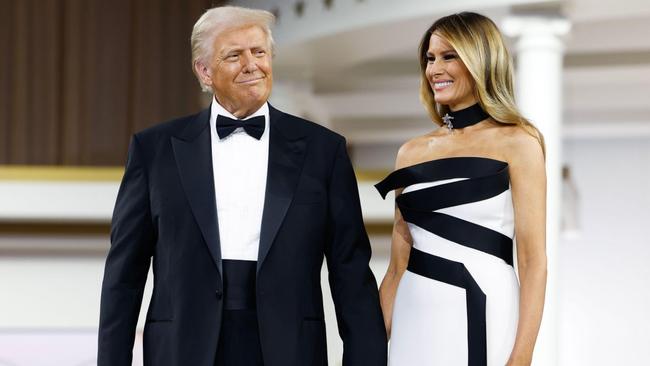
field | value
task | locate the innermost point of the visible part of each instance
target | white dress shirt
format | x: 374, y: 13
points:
x: 240, y: 164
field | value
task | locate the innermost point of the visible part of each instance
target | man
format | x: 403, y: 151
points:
x: 238, y: 205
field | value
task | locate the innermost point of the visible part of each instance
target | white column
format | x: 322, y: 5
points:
x: 539, y: 50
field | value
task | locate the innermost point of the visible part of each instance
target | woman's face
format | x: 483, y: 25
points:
x: 448, y: 77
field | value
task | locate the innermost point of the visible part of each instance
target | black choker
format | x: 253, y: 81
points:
x: 464, y: 117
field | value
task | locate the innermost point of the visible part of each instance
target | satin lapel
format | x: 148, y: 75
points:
x: 193, y: 153
x: 286, y: 156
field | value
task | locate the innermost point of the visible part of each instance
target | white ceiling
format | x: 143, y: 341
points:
x: 367, y: 77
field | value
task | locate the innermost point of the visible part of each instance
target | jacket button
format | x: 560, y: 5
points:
x: 219, y: 294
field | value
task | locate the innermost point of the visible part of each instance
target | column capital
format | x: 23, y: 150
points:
x: 534, y: 32
x: 524, y: 25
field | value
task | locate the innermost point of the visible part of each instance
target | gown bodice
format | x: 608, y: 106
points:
x: 465, y: 200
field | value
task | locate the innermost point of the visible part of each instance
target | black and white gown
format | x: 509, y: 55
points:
x: 457, y: 303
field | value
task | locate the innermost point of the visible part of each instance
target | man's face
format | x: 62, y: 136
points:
x: 239, y: 71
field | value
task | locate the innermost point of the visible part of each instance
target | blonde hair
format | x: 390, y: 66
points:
x: 480, y: 46
x: 220, y: 19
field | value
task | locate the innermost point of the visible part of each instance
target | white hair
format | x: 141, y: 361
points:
x: 219, y: 19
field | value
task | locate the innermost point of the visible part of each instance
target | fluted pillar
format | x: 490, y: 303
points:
x: 539, y: 50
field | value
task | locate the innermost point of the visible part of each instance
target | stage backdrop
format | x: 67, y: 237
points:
x: 77, y: 78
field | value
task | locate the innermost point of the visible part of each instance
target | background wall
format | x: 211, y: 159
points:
x: 77, y: 78
x: 604, y: 273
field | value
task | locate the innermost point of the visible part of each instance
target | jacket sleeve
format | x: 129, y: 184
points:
x: 127, y: 264
x: 353, y: 285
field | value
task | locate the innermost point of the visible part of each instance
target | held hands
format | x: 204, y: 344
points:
x: 386, y: 298
x: 387, y: 323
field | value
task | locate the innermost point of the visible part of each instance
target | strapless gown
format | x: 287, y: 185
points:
x: 457, y: 303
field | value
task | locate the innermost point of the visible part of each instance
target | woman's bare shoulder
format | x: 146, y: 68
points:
x: 412, y: 150
x: 521, y: 146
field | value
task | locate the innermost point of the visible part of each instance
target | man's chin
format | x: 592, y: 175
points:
x: 252, y: 103
x: 255, y: 96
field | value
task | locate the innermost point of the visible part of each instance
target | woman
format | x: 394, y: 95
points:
x: 463, y: 192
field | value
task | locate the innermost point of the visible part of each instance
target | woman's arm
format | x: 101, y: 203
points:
x: 400, y: 247
x: 399, y: 257
x: 528, y: 183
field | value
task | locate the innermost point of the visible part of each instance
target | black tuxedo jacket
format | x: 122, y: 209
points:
x: 166, y: 210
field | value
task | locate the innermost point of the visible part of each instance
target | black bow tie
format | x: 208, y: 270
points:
x: 253, y: 126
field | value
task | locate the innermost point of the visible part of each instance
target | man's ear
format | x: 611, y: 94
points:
x: 203, y: 72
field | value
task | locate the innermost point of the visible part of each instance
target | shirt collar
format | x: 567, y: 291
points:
x: 218, y: 109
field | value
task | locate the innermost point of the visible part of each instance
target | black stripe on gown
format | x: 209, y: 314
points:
x: 455, y: 273
x: 484, y: 178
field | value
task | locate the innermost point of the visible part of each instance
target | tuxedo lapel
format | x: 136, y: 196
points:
x: 286, y: 156
x: 193, y: 153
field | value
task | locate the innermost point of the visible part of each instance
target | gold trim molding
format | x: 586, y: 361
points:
x: 54, y: 229
x: 373, y: 176
x: 107, y: 174
x: 60, y: 173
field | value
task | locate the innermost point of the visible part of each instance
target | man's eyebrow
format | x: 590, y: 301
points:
x: 231, y: 49
x: 238, y: 49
